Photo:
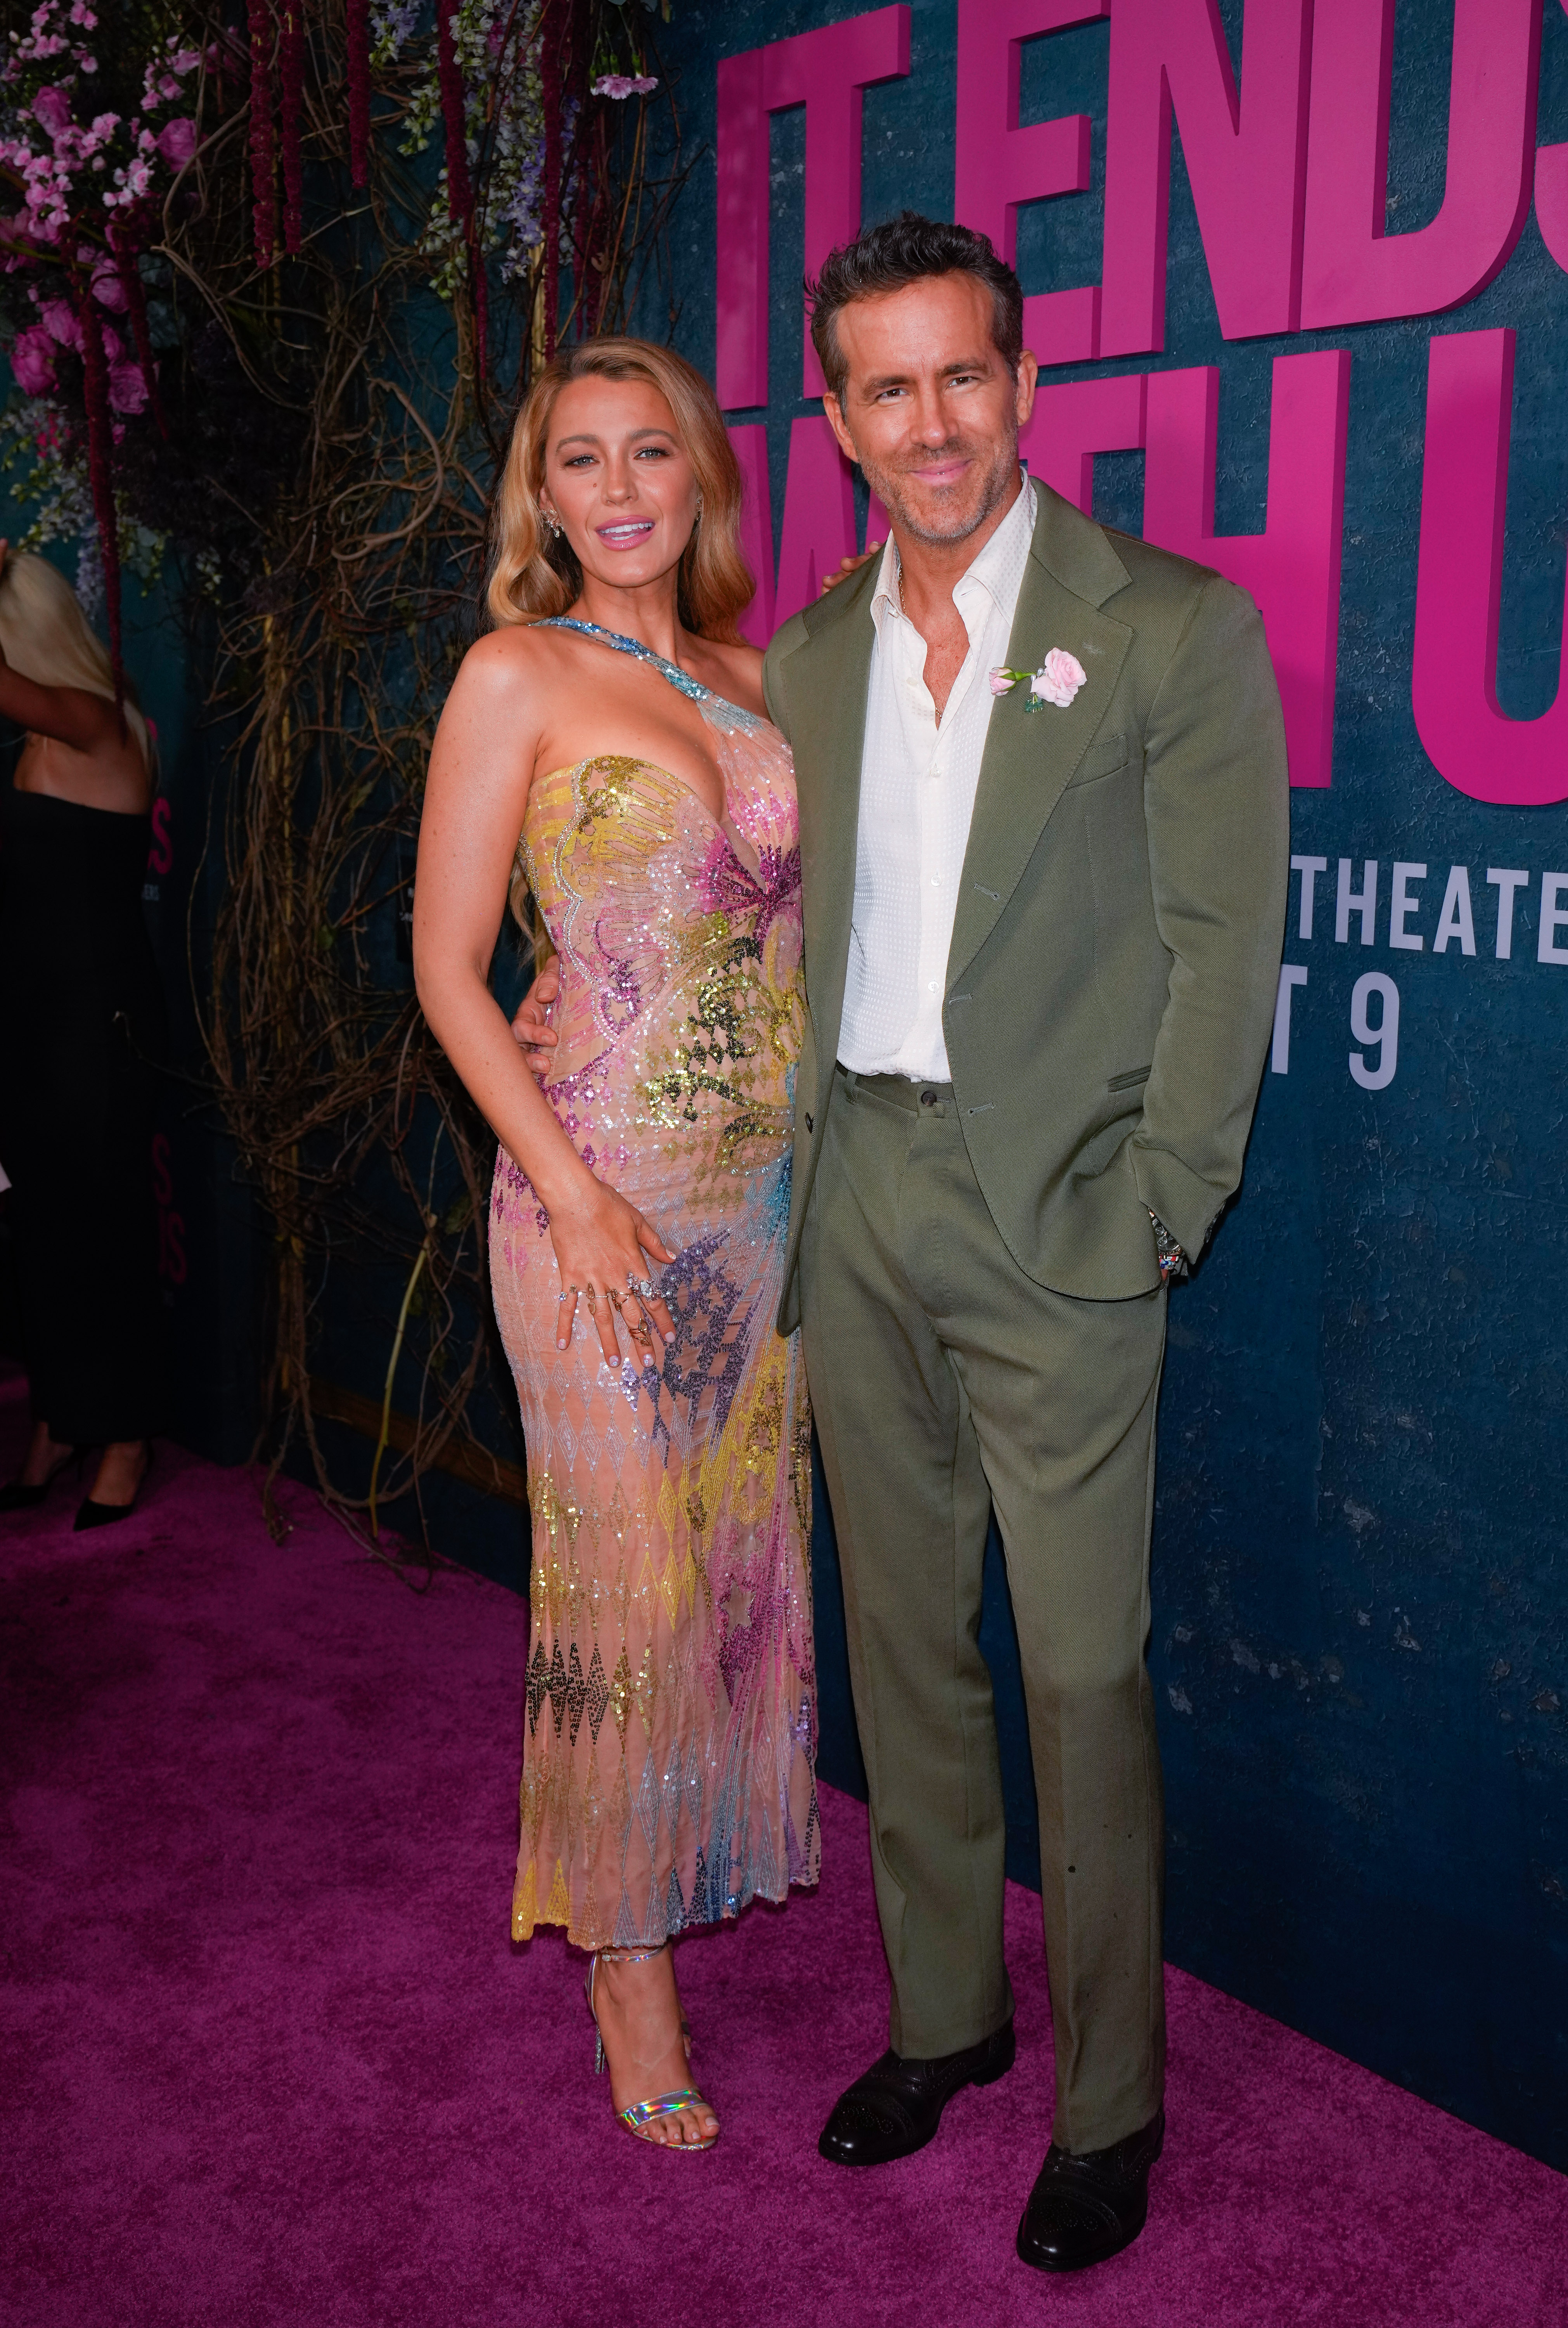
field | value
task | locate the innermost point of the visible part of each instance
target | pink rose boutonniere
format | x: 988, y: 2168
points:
x: 1056, y: 682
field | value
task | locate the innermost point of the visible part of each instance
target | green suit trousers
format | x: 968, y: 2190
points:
x: 946, y: 1381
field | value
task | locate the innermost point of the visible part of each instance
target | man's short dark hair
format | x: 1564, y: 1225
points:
x: 906, y: 251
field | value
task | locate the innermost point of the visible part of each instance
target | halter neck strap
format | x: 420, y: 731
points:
x: 670, y: 671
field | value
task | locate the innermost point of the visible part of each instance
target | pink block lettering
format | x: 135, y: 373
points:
x: 750, y: 444
x: 998, y: 165
x: 1292, y: 567
x: 1073, y: 419
x: 1552, y: 196
x: 827, y: 72
x: 1354, y: 271
x: 741, y: 355
x: 1063, y: 326
x: 819, y: 516
x: 1473, y: 744
x: 161, y: 855
x: 1245, y: 153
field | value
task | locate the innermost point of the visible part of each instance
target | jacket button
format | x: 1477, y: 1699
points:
x: 810, y: 1125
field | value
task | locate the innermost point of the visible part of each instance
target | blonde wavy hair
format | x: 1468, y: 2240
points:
x: 534, y: 574
x: 50, y: 640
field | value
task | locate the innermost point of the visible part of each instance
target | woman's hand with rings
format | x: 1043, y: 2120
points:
x: 602, y: 1245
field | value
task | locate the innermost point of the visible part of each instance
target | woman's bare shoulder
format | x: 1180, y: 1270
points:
x: 516, y: 655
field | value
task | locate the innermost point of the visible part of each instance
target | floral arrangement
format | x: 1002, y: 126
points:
x: 89, y: 167
x: 111, y: 127
x: 502, y: 90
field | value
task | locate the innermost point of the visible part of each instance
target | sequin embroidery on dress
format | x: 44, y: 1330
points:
x: 670, y: 1702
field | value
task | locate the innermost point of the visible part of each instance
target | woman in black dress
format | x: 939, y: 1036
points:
x: 81, y: 1023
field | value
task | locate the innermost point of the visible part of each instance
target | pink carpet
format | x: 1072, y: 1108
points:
x: 269, y: 2055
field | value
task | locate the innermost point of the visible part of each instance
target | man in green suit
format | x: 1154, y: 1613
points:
x: 1044, y: 842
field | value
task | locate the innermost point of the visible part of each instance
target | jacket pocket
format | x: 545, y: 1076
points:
x: 1107, y: 755
x: 1130, y: 1080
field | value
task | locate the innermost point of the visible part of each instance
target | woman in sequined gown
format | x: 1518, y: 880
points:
x: 613, y: 720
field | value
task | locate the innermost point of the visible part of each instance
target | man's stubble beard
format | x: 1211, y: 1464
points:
x: 887, y: 484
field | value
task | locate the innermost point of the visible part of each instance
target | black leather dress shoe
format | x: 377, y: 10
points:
x: 896, y: 2107
x: 1086, y: 2207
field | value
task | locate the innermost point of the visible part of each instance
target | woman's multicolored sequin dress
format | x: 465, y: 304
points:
x: 671, y: 1718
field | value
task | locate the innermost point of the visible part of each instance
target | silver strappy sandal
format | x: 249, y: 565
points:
x: 640, y: 2116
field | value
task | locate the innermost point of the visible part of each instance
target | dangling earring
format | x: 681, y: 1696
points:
x: 697, y: 519
x: 553, y: 522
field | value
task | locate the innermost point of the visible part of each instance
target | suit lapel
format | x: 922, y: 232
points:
x: 1030, y: 756
x: 827, y: 681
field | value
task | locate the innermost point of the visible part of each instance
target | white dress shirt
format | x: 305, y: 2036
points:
x: 917, y: 784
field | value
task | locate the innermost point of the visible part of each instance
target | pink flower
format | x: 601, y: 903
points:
x: 53, y: 107
x: 177, y: 141
x: 1002, y: 682
x: 58, y: 318
x: 33, y: 360
x: 621, y: 85
x: 1058, y: 679
x: 127, y: 387
x: 107, y: 288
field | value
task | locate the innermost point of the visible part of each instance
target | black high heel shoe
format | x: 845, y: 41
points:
x: 90, y: 1515
x: 16, y: 1495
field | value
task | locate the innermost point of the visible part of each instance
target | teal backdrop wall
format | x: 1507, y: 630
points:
x: 1360, y: 1647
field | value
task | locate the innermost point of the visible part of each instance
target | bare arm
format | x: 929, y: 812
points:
x: 475, y: 795
x: 69, y: 714
x: 86, y: 722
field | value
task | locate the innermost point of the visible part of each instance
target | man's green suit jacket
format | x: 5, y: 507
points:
x: 1112, y: 979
